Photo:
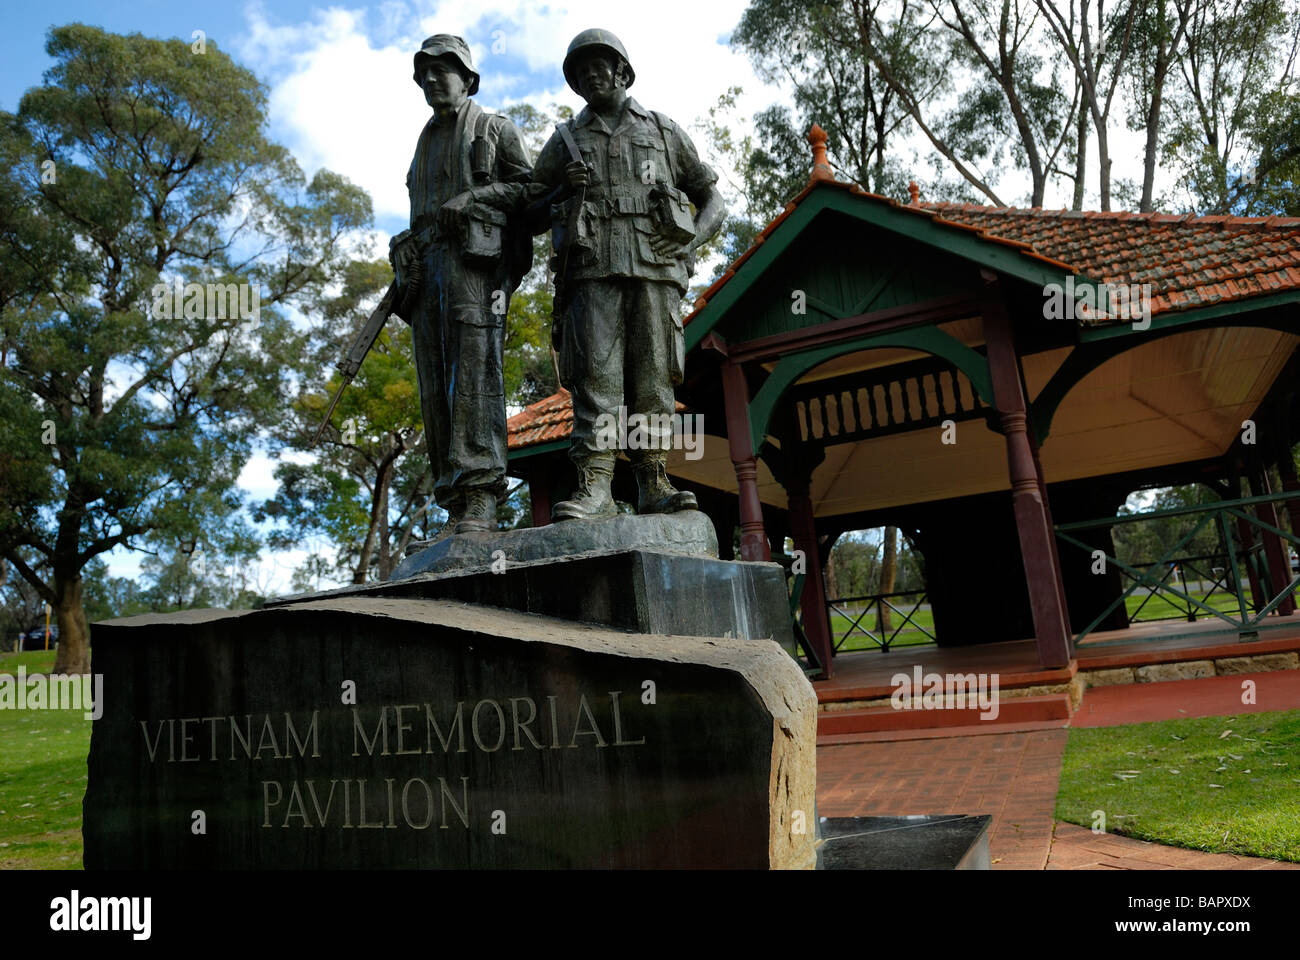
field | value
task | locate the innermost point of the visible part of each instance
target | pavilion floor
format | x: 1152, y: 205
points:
x: 867, y: 675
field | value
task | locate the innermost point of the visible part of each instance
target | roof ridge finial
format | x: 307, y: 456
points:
x: 821, y: 169
x: 915, y: 191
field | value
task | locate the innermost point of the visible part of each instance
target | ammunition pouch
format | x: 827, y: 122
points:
x: 582, y: 245
x: 483, y: 228
x: 670, y: 212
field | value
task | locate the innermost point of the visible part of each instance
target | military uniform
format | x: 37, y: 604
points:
x: 458, y: 305
x: 621, y: 340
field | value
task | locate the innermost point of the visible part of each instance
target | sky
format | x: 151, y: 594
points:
x: 342, y: 97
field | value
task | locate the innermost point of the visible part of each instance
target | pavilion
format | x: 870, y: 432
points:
x: 870, y: 362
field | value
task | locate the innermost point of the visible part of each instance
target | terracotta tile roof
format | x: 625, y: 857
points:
x: 1189, y: 261
x: 547, y: 420
x: 541, y: 422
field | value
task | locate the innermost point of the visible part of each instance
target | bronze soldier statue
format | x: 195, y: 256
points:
x: 457, y: 267
x: 625, y: 243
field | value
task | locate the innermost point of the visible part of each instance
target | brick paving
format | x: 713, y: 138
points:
x: 1014, y: 777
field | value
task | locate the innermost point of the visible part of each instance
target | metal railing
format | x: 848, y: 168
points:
x: 1155, y: 575
x: 1217, y: 574
x: 857, y: 609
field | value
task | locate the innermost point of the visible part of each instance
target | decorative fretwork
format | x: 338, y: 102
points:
x: 872, y: 403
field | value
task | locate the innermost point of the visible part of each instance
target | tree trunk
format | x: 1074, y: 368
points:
x: 888, y: 573
x: 385, y: 548
x: 1103, y: 163
x: 74, y: 634
x: 1081, y: 161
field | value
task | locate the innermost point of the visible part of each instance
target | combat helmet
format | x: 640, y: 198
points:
x: 595, y: 38
x: 446, y: 45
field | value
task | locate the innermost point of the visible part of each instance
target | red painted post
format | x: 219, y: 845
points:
x: 1033, y: 521
x: 539, y: 495
x: 735, y: 395
x: 816, y: 619
x: 1056, y: 557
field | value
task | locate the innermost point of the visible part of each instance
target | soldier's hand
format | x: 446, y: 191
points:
x: 450, y: 213
x: 577, y: 174
x: 669, y: 248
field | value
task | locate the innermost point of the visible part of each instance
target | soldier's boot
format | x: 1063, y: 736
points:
x: 593, y: 498
x: 654, y: 493
x: 480, y: 512
x: 454, y: 515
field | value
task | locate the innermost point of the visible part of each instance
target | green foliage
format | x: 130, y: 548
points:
x: 359, y: 488
x: 1145, y: 541
x: 1234, y: 117
x: 856, y: 565
x: 119, y: 428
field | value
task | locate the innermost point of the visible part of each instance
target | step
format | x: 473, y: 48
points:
x: 1012, y: 710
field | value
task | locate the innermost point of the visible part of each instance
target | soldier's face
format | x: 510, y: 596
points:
x: 444, y: 84
x: 599, y: 79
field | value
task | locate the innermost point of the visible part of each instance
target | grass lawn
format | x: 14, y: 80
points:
x: 1220, y: 784
x: 42, y: 779
x: 909, y: 636
x: 1163, y: 607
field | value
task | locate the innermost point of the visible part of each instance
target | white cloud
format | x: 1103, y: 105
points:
x: 342, y: 95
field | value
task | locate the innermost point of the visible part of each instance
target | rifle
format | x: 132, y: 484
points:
x: 570, y: 236
x: 352, y: 360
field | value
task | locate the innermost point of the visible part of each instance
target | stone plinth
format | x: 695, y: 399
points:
x: 401, y: 732
x: 689, y: 532
x: 642, y: 591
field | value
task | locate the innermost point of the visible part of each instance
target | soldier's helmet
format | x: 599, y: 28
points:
x: 446, y: 45
x: 588, y: 40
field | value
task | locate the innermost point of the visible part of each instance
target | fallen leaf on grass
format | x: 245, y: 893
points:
x: 1224, y: 735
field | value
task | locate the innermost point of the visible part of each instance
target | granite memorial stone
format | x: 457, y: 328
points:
x: 388, y: 732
